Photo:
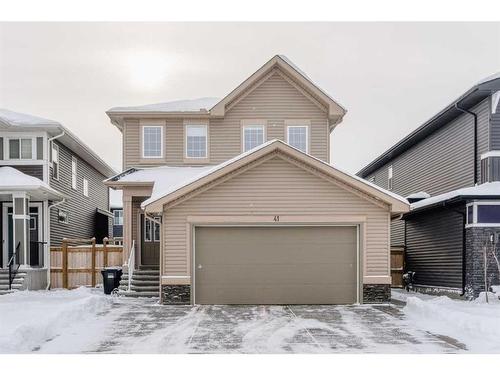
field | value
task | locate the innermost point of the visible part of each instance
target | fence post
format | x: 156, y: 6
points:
x: 65, y: 263
x: 93, y: 261
x: 105, y: 242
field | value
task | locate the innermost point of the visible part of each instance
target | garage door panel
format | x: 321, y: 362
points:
x: 275, y: 265
x: 276, y: 273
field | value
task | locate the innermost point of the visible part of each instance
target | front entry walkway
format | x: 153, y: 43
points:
x: 143, y: 326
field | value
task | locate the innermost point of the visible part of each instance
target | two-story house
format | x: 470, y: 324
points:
x: 51, y: 187
x: 236, y: 202
x: 449, y: 169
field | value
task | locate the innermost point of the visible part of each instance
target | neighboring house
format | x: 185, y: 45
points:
x: 51, y: 187
x: 116, y: 208
x: 236, y: 203
x: 453, y: 160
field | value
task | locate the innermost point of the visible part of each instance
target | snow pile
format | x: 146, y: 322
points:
x: 11, y: 118
x: 192, y: 105
x: 475, y: 324
x: 66, y: 320
x: 487, y: 189
x: 492, y: 298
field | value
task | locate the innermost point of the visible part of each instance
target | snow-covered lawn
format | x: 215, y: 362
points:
x: 58, y: 321
x: 87, y: 321
x: 475, y: 323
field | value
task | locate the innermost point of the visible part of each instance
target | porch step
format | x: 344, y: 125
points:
x: 139, y: 294
x: 17, y: 282
x: 144, y: 283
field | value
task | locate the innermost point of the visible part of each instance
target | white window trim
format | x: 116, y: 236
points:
x: 186, y: 127
x: 85, y: 187
x: 6, y: 146
x: 474, y: 205
x: 120, y: 216
x: 252, y: 124
x: 74, y: 173
x: 162, y: 141
x: 288, y: 127
x: 390, y: 177
x: 56, y: 146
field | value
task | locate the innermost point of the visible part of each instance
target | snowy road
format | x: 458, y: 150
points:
x: 85, y: 321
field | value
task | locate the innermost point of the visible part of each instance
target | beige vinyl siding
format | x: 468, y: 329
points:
x: 131, y: 143
x: 273, y: 100
x: 275, y: 187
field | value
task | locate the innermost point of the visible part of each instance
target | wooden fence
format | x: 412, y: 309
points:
x: 78, y: 262
x: 397, y: 266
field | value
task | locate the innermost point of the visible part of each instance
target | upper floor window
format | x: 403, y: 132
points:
x: 118, y: 217
x: 152, y: 141
x: 253, y: 136
x: 21, y: 148
x: 298, y: 137
x: 73, y: 172
x: 55, y: 161
x: 389, y: 178
x: 85, y: 187
x: 196, y: 141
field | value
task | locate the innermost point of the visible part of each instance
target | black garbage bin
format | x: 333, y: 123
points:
x: 111, y: 277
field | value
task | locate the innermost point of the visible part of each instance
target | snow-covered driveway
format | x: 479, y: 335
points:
x: 86, y: 321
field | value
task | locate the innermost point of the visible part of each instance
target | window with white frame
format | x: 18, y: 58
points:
x: 85, y: 187
x: 73, y: 172
x: 389, y: 178
x: 483, y: 214
x: 55, y: 161
x: 196, y: 141
x: 298, y: 137
x: 253, y: 136
x: 118, y: 217
x: 21, y: 148
x: 151, y: 230
x: 152, y: 141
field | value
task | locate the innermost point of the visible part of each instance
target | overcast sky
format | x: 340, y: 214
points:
x: 390, y: 77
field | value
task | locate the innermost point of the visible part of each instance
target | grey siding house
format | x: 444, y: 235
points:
x: 446, y: 167
x: 51, y: 187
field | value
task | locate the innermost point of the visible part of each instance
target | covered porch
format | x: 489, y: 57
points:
x: 25, y: 202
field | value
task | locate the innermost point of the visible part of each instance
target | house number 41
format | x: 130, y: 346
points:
x: 277, y: 218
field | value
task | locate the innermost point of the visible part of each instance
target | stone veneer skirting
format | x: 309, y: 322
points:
x: 476, y: 238
x: 376, y: 293
x: 176, y: 294
x: 181, y: 294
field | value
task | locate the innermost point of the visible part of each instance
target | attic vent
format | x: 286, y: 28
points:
x: 415, y: 197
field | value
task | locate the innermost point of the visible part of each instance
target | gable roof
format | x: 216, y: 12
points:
x: 10, y: 120
x: 476, y: 94
x: 335, y: 110
x: 172, y: 192
x: 213, y: 107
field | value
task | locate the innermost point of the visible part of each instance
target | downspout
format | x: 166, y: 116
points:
x: 475, y: 137
x: 48, y: 218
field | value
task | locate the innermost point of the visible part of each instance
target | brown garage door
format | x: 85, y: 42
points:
x: 275, y: 265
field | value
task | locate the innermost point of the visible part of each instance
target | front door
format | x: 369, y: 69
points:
x: 150, y: 242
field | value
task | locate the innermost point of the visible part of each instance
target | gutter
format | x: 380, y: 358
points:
x: 57, y: 136
x: 457, y: 106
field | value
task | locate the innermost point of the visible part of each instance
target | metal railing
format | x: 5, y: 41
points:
x: 131, y: 265
x: 13, y: 259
